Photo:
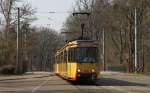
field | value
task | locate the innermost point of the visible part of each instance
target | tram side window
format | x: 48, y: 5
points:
x: 62, y: 56
x: 62, y: 59
x: 59, y: 58
x: 71, y: 55
x: 65, y: 56
x: 56, y: 59
x: 74, y: 54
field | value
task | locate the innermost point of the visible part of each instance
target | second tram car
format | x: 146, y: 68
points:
x: 78, y: 61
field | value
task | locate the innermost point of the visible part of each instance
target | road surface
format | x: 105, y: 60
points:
x: 109, y: 83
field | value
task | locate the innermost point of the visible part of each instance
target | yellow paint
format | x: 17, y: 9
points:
x: 70, y: 69
x: 87, y: 67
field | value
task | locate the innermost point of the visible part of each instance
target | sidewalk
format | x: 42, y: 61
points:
x: 132, y: 78
x: 121, y: 73
x: 28, y: 75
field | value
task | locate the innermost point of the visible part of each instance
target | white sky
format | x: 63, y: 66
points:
x: 53, y: 20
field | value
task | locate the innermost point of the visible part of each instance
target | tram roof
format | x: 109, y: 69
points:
x: 82, y: 41
x: 77, y: 42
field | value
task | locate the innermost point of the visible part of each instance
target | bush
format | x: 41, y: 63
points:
x: 8, y: 70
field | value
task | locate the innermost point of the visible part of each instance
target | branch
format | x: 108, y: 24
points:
x: 3, y: 12
x: 117, y: 47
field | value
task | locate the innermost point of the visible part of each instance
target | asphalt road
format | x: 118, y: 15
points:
x: 112, y: 83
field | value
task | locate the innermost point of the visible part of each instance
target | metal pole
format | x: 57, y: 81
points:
x: 104, y: 64
x: 17, y: 56
x: 82, y: 26
x: 136, y: 55
x: 25, y: 52
x: 25, y: 36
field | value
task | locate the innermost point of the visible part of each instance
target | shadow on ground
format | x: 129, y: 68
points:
x: 110, y: 82
x: 116, y: 82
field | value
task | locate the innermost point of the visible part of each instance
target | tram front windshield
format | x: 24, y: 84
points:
x: 86, y: 54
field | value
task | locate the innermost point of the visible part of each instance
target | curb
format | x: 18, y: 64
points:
x: 123, y: 73
x: 25, y: 78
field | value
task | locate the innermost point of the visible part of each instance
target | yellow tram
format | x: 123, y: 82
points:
x: 78, y: 60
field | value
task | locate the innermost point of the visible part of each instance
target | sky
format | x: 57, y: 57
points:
x: 52, y: 20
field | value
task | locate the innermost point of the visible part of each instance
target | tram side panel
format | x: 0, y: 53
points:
x: 71, y: 70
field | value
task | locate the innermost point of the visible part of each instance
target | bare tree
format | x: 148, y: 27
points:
x: 117, y: 17
x: 9, y: 10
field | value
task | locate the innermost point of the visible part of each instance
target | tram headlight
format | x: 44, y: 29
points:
x: 78, y: 70
x: 93, y: 70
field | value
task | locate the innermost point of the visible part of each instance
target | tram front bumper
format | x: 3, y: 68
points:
x: 86, y: 76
